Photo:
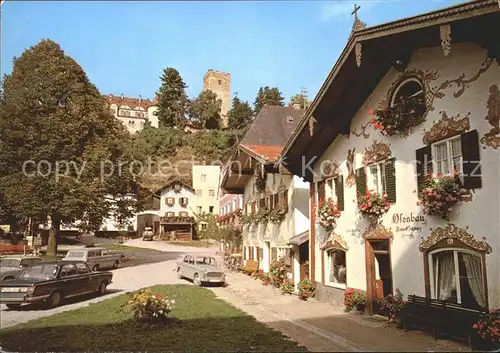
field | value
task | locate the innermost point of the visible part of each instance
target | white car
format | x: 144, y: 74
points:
x: 96, y: 258
x: 201, y: 269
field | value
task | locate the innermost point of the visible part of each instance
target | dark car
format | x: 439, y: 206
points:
x: 52, y: 282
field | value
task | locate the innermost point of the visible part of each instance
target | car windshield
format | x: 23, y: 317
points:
x: 10, y: 263
x: 75, y: 254
x: 46, y: 271
x: 202, y: 260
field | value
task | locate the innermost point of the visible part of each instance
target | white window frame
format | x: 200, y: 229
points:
x: 449, y: 156
x: 328, y: 269
x: 381, y: 186
x: 330, y: 189
x: 457, y: 273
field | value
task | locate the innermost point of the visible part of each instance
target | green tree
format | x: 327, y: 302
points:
x: 58, y: 144
x: 172, y: 98
x: 206, y: 110
x: 300, y: 99
x: 267, y: 95
x: 240, y: 114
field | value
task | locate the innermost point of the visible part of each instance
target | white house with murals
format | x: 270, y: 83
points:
x: 419, y: 95
x: 267, y: 188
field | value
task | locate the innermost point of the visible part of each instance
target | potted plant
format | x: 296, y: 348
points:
x: 306, y: 288
x: 354, y: 300
x: 391, y: 305
x: 287, y: 287
x: 440, y: 194
x: 265, y: 279
x: 278, y: 272
x: 328, y: 213
x: 373, y: 205
x: 488, y: 328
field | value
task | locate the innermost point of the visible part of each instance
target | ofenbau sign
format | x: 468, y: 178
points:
x: 398, y: 218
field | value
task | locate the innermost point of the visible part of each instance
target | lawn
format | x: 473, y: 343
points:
x: 193, y: 243
x: 118, y: 247
x: 202, y: 323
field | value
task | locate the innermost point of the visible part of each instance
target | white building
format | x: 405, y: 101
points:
x: 451, y: 93
x: 255, y: 172
x: 206, y: 180
x: 176, y: 199
x: 134, y: 113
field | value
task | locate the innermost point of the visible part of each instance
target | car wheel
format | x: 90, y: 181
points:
x: 13, y: 306
x: 6, y: 278
x: 103, y: 288
x: 197, y: 280
x: 179, y: 273
x: 115, y: 265
x: 95, y: 268
x: 55, y: 299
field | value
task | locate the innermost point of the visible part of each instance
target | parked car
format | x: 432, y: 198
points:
x: 11, y: 266
x: 53, y: 282
x: 200, y: 269
x: 96, y: 258
x: 148, y: 233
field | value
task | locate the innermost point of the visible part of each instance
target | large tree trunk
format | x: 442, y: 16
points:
x: 54, y: 233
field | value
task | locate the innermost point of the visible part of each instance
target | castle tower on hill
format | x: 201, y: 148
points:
x: 219, y: 83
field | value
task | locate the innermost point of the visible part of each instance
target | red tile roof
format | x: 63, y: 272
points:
x: 131, y: 102
x: 270, y: 153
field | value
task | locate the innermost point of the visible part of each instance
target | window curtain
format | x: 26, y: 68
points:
x: 446, y: 275
x: 475, y: 277
x: 332, y: 266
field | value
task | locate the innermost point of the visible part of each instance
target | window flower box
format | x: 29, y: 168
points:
x: 328, y: 213
x: 440, y: 194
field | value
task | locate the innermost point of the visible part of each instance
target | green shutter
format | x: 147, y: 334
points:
x: 361, y: 181
x: 424, y: 165
x: 471, y: 164
x: 339, y: 191
x: 390, y: 179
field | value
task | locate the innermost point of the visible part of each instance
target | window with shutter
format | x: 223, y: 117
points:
x: 339, y: 191
x: 424, y: 165
x: 361, y: 181
x: 285, y: 198
x: 471, y: 160
x: 390, y: 179
x: 262, y: 203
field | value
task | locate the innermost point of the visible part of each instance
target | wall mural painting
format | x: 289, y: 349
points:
x: 451, y: 233
x: 330, y: 169
x: 446, y: 127
x: 377, y: 151
x: 492, y: 138
x: 351, y: 178
x: 378, y: 232
x: 431, y: 91
x: 335, y: 241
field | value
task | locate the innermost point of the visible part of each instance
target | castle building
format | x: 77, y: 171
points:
x: 133, y: 112
x: 219, y: 83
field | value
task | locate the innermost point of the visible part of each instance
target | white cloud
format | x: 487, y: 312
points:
x: 341, y: 9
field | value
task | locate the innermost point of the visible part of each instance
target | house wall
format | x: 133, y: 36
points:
x: 205, y: 200
x: 481, y: 216
x: 176, y: 207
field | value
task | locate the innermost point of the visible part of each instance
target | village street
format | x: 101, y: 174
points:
x: 316, y: 325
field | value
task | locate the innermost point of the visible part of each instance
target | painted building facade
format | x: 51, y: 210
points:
x: 206, y: 181
x: 451, y: 98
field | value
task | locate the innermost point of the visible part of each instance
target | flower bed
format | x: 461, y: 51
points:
x: 391, y: 305
x: 439, y: 195
x: 373, y: 204
x: 399, y: 118
x: 306, y: 288
x: 354, y: 299
x: 149, y: 306
x: 488, y: 326
x: 328, y: 213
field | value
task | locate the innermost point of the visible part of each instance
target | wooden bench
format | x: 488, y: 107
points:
x: 250, y: 267
x: 441, y: 317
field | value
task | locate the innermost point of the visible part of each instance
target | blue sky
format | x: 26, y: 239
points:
x: 124, y: 46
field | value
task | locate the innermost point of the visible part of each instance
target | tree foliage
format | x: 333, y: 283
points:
x: 267, y: 95
x: 172, y: 99
x: 240, y: 114
x: 205, y: 109
x: 301, y: 100
x: 52, y: 115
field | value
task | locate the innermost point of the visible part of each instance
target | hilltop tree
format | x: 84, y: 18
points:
x: 269, y: 96
x: 206, y: 110
x: 172, y: 98
x: 58, y: 144
x: 240, y: 114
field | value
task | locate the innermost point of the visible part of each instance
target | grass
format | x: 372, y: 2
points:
x: 193, y: 243
x: 118, y: 247
x: 202, y: 323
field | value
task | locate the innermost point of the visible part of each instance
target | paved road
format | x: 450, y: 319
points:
x: 124, y: 280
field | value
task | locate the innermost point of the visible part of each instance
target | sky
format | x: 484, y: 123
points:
x: 123, y: 46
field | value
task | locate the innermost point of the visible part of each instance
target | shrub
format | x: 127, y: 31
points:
x: 148, y: 305
x: 278, y: 272
x: 354, y: 299
x: 306, y: 288
x: 392, y: 304
x: 488, y: 326
x: 287, y: 287
x: 440, y: 194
